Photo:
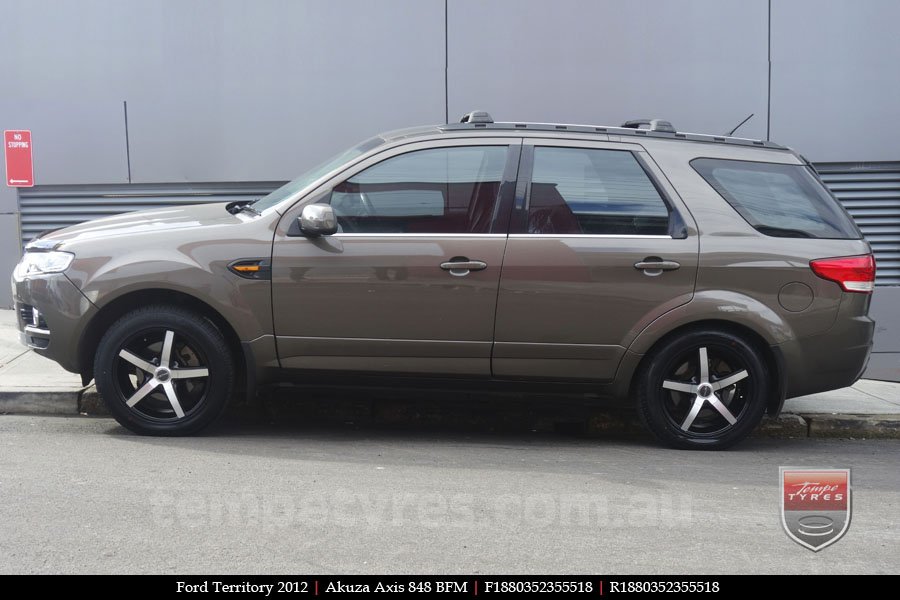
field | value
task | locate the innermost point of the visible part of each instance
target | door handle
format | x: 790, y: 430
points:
x: 462, y: 266
x: 653, y: 265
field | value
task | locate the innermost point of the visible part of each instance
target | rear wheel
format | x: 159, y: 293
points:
x: 164, y: 370
x: 704, y: 390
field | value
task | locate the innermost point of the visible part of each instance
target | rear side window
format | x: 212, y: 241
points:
x: 778, y: 200
x: 595, y: 192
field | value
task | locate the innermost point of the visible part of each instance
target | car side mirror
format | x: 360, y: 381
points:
x: 318, y: 219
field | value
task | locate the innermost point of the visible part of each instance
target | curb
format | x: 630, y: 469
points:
x: 87, y: 402
x: 862, y: 426
x: 38, y: 402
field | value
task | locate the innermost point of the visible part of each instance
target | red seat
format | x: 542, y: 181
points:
x: 548, y: 211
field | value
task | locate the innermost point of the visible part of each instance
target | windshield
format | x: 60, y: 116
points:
x: 292, y: 187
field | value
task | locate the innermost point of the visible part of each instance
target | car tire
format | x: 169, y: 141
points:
x: 689, y: 407
x: 164, y: 370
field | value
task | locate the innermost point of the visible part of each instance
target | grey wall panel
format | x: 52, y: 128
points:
x: 10, y: 251
x: 75, y: 140
x: 885, y: 361
x: 77, y: 50
x: 274, y: 88
x: 8, y: 202
x: 834, y: 78
x: 236, y: 89
x: 884, y: 366
x: 885, y: 301
x: 223, y: 137
x: 700, y: 63
x: 9, y: 241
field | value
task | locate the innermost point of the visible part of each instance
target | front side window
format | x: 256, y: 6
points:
x: 440, y: 190
x: 777, y: 199
x: 594, y: 192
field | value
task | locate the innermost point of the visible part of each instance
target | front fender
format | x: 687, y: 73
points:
x: 244, y: 303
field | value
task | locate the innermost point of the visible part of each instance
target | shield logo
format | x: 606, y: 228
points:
x: 815, y: 505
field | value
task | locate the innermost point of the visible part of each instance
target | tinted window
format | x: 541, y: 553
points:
x: 581, y: 190
x: 778, y: 200
x: 443, y: 190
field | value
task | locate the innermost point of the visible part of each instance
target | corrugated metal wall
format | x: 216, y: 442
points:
x: 53, y: 206
x: 869, y: 191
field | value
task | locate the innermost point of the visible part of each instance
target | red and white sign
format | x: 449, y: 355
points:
x: 19, y: 164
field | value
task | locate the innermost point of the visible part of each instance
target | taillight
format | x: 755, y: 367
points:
x: 852, y: 273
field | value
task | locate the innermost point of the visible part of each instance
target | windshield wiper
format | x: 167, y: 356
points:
x: 242, y: 206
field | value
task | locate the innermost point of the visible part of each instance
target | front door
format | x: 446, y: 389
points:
x: 409, y: 283
x: 599, y: 247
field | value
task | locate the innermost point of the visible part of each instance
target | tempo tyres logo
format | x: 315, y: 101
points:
x: 815, y: 505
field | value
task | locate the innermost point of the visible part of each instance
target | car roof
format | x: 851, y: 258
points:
x: 525, y: 129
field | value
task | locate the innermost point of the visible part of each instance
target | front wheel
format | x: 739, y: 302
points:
x: 703, y: 390
x: 164, y: 370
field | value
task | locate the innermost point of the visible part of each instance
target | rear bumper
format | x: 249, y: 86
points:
x: 51, y: 314
x: 829, y: 361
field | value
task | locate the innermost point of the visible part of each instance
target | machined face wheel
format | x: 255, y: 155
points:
x: 161, y: 374
x: 704, y: 389
x: 164, y: 370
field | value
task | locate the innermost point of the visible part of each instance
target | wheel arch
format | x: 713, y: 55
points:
x: 109, y: 313
x: 770, y: 354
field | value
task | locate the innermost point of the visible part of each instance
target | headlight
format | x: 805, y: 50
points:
x: 41, y: 263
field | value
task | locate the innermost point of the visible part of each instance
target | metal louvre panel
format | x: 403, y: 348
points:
x: 871, y: 194
x: 53, y: 206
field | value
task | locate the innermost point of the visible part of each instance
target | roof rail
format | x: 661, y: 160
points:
x: 651, y: 124
x: 655, y: 128
x: 477, y: 116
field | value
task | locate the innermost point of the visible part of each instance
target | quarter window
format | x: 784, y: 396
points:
x: 441, y: 190
x: 777, y: 199
x: 592, y: 191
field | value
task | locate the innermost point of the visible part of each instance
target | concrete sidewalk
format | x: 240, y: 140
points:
x: 32, y: 384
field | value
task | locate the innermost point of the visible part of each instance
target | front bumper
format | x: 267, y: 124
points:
x: 52, y: 314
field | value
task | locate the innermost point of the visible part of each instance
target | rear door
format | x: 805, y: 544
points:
x: 600, y: 245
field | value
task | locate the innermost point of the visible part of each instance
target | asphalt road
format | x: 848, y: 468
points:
x: 80, y: 495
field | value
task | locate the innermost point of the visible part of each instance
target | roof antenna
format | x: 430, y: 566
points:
x: 739, y: 125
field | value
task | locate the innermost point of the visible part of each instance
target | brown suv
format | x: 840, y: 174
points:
x: 705, y: 278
